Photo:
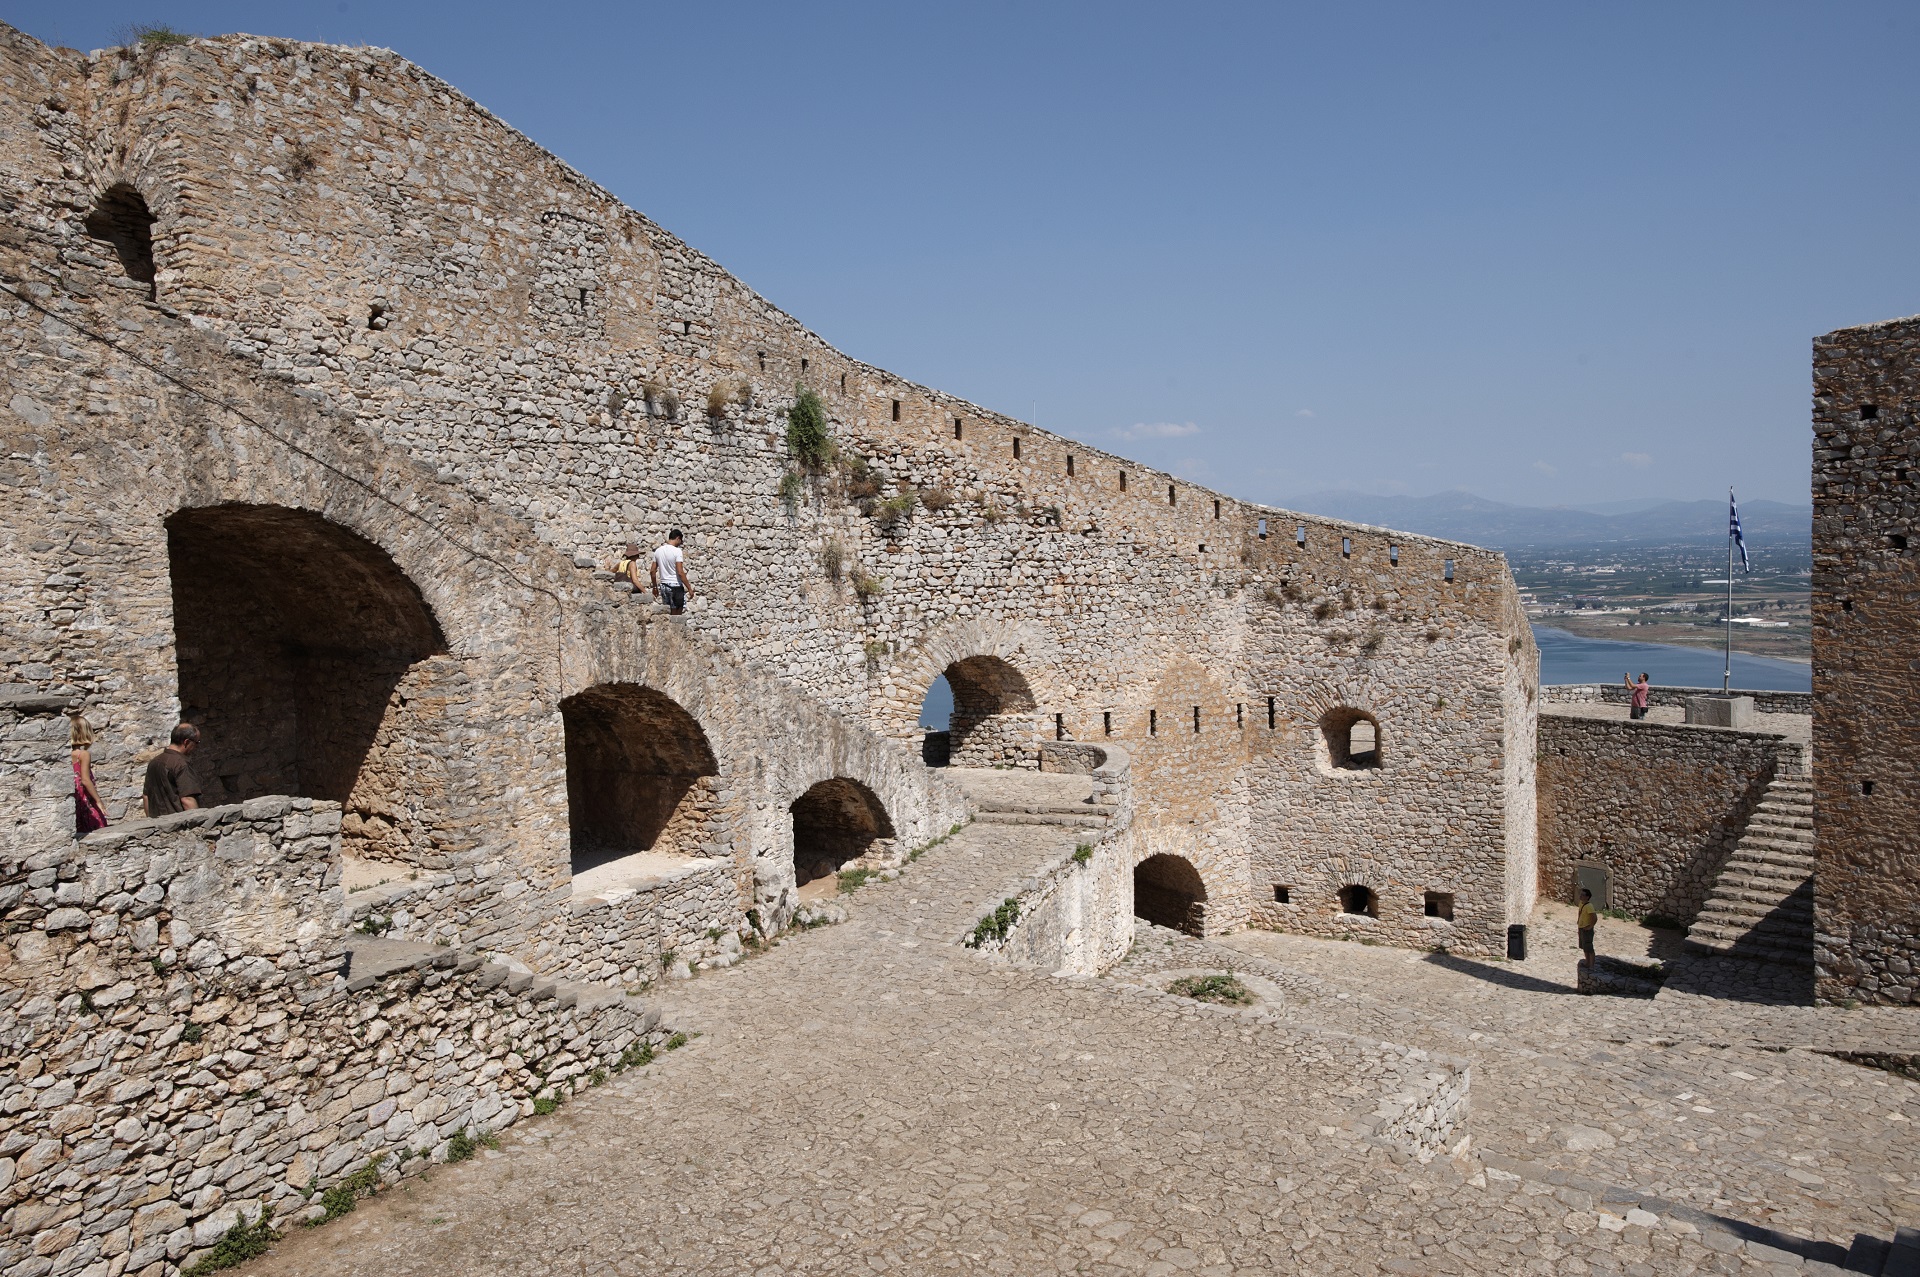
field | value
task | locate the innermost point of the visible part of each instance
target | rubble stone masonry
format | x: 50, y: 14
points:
x: 326, y: 394
x: 1866, y: 651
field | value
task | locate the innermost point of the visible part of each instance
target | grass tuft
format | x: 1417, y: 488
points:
x: 1224, y: 989
x: 237, y: 1245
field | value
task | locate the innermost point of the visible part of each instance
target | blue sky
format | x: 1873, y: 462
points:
x: 1546, y: 253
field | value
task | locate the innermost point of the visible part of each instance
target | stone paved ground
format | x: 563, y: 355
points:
x: 868, y: 1097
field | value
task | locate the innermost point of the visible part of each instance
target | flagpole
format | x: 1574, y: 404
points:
x: 1726, y: 673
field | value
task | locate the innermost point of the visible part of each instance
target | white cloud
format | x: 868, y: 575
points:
x: 1304, y: 412
x: 1159, y: 430
x: 1545, y: 469
x: 1638, y: 460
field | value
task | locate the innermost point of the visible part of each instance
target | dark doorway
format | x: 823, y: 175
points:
x: 292, y: 635
x: 120, y: 218
x: 836, y: 821
x: 636, y: 769
x: 1167, y: 892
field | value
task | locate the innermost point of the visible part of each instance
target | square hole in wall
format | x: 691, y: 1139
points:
x: 1069, y: 465
x: 1282, y: 895
x: 1440, y: 905
x: 1346, y: 547
x: 1866, y: 788
x: 1106, y: 722
x: 1897, y: 540
x: 1300, y: 535
x: 1446, y: 570
x: 896, y: 410
x: 1869, y: 412
x: 1016, y: 450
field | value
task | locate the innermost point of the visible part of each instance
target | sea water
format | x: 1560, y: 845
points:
x: 1569, y: 658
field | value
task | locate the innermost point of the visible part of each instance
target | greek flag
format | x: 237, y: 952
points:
x: 1733, y: 530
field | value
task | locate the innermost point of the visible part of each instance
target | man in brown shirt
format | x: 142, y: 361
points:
x: 171, y: 784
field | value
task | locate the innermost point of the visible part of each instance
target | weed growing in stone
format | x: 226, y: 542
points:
x: 895, y: 510
x: 461, y: 1147
x: 996, y: 924
x: 793, y: 485
x: 1224, y: 989
x: 807, y: 436
x: 192, y: 1033
x: 875, y: 651
x: 344, y: 1196
x: 637, y: 1055
x: 161, y: 37
x: 1083, y: 853
x: 868, y: 587
x: 833, y: 559
x: 675, y: 1042
x: 237, y: 1245
x: 851, y: 880
x: 862, y: 482
x: 547, y: 1104
x: 935, y: 499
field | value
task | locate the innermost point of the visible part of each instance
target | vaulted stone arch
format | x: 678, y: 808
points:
x: 293, y: 637
x: 995, y: 670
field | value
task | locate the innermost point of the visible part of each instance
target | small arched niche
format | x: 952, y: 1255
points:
x: 834, y: 822
x: 1168, y: 892
x: 637, y: 769
x: 1359, y: 900
x: 120, y: 218
x: 1351, y: 739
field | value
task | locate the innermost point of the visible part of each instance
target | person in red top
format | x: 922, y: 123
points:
x: 1641, y: 691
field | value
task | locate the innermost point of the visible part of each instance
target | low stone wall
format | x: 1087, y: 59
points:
x: 195, y: 1036
x: 1617, y: 694
x: 1660, y: 806
x: 1076, y: 914
x: 617, y: 938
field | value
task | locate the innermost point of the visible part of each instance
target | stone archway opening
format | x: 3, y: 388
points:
x: 298, y: 644
x: 1168, y: 892
x: 637, y: 775
x: 1351, y: 738
x: 990, y: 720
x: 836, y: 821
x: 120, y: 219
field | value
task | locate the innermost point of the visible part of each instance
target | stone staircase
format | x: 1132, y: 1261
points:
x: 1897, y: 1258
x: 1761, y: 905
x: 1031, y: 798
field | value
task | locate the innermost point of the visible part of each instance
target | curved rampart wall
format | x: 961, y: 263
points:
x: 343, y: 222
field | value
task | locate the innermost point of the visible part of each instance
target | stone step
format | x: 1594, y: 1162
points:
x: 1747, y: 858
x: 1787, y: 875
x: 1777, y: 954
x: 1065, y: 820
x: 1042, y: 808
x: 1751, y: 912
x: 1737, y: 896
x: 1780, y: 820
x: 1788, y: 849
x: 1739, y: 933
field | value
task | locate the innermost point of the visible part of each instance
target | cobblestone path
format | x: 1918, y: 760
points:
x: 869, y: 1097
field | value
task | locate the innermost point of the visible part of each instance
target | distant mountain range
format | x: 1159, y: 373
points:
x: 1461, y: 516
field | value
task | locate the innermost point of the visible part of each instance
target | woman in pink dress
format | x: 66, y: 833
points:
x: 87, y: 813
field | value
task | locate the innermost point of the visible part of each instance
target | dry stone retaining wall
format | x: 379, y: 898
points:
x: 1660, y: 806
x: 187, y: 1043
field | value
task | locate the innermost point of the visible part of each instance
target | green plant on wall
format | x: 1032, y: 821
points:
x: 807, y: 436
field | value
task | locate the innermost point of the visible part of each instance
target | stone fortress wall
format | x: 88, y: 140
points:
x: 1866, y: 647
x: 395, y: 348
x: 1659, y: 806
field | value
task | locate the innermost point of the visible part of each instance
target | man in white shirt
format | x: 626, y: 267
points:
x: 671, y: 585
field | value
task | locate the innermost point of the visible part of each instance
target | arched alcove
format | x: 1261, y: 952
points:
x: 636, y: 766
x: 1351, y: 739
x: 990, y: 720
x: 293, y: 635
x: 120, y: 218
x: 1168, y: 892
x: 1359, y: 900
x: 835, y: 821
